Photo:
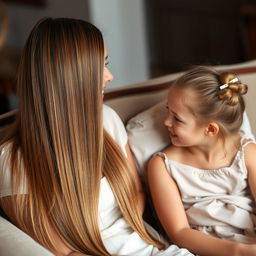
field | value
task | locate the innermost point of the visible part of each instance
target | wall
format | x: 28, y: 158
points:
x: 23, y: 17
x: 184, y: 33
x: 21, y: 20
x: 122, y: 24
x: 121, y: 21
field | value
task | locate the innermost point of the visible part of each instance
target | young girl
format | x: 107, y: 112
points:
x: 66, y: 173
x: 204, y: 184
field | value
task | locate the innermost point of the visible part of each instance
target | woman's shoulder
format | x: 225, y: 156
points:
x: 110, y: 113
x: 114, y: 126
x: 108, y: 110
x: 111, y: 118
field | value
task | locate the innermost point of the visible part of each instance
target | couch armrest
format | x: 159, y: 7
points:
x: 14, y: 242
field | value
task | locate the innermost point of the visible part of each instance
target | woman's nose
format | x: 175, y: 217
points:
x: 108, y: 76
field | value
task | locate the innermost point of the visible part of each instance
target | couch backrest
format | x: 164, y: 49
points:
x: 132, y: 99
x: 5, y: 122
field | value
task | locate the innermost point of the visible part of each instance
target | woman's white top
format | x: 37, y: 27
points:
x: 217, y: 202
x: 117, y: 235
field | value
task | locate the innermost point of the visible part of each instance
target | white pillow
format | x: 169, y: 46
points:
x: 147, y: 133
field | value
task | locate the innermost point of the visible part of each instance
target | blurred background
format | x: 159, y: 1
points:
x: 145, y: 38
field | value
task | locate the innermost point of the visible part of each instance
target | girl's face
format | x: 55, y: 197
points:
x: 184, y: 130
x: 107, y: 75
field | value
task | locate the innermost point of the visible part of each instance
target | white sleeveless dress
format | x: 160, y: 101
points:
x: 117, y: 235
x: 217, y: 202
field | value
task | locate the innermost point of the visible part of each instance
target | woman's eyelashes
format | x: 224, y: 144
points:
x: 106, y: 61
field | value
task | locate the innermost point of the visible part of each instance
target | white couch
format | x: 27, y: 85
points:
x: 129, y: 101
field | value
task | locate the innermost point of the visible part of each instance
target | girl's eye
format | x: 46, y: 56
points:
x: 177, y: 119
x: 106, y: 63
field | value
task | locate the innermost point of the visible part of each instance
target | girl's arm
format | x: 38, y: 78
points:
x: 169, y: 208
x: 250, y: 155
x: 77, y: 254
x: 63, y: 249
x: 134, y: 171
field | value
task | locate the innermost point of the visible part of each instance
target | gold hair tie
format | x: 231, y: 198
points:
x: 234, y: 80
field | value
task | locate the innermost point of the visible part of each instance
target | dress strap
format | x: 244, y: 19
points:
x: 246, y: 141
x: 165, y: 158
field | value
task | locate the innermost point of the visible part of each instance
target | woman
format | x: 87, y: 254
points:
x: 71, y: 188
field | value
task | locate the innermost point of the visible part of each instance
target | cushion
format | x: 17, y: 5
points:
x: 14, y: 242
x: 147, y: 133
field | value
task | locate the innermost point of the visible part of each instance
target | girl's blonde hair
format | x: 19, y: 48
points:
x: 218, y: 97
x: 58, y: 145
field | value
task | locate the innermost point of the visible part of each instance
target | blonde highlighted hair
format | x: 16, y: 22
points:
x: 58, y: 141
x: 213, y: 101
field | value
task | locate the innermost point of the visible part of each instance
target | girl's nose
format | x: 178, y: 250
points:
x: 167, y: 122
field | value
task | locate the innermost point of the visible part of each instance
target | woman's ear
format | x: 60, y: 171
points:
x: 212, y: 129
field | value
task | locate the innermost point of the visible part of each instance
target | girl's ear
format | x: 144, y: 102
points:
x: 212, y: 129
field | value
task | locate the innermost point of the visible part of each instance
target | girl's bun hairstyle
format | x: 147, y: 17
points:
x: 230, y: 94
x: 216, y: 96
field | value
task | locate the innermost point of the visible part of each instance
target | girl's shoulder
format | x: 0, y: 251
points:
x: 175, y: 153
x: 249, y: 148
x: 248, y: 153
x: 161, y: 159
x: 245, y: 142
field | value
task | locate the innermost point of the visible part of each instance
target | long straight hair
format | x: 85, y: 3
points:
x: 58, y: 145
